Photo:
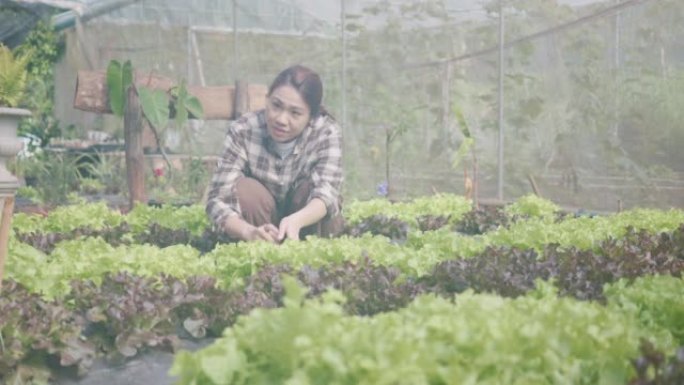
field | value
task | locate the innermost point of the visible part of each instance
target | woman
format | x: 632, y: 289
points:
x: 281, y: 170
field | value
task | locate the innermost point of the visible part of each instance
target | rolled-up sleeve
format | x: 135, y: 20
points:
x: 222, y: 200
x: 327, y: 175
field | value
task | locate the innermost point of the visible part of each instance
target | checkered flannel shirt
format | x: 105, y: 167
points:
x: 249, y: 151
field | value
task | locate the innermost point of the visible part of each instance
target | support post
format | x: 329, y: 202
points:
x: 135, y: 161
x: 476, y: 182
x: 235, y: 41
x: 343, y: 90
x: 500, y: 187
x: 5, y: 225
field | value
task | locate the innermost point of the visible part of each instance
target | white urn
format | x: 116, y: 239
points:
x: 10, y: 145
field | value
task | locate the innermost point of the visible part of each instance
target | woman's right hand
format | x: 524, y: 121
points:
x: 267, y: 232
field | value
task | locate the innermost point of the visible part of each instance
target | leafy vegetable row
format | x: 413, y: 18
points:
x: 125, y: 314
x: 424, y: 213
x: 478, y: 338
x: 612, y: 237
x: 96, y: 216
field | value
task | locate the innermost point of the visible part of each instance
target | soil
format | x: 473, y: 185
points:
x: 149, y: 369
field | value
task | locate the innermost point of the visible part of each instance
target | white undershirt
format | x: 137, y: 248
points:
x: 284, y: 149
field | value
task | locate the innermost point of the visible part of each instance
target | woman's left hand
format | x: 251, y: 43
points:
x: 289, y: 227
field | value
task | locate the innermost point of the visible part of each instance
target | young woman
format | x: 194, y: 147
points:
x: 281, y: 171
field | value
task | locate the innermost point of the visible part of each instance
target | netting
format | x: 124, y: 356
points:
x: 591, y: 93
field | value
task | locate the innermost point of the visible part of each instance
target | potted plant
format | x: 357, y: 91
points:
x: 13, y: 80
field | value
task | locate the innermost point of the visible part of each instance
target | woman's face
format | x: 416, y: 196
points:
x: 287, y: 114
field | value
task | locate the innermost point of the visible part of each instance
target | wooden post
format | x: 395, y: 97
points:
x: 5, y: 222
x: 133, y: 137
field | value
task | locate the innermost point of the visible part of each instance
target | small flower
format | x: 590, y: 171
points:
x: 382, y: 189
x: 158, y: 172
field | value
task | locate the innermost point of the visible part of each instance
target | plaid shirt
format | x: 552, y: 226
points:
x: 249, y: 151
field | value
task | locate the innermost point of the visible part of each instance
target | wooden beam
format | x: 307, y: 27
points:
x: 218, y: 102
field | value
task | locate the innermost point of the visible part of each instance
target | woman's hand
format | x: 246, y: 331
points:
x: 267, y: 232
x: 289, y: 228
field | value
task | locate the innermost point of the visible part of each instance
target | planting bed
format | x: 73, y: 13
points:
x: 429, y: 291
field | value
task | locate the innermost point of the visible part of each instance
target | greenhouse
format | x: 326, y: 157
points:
x: 341, y: 192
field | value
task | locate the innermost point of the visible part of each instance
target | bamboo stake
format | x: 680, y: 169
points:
x: 533, y: 183
x: 5, y: 224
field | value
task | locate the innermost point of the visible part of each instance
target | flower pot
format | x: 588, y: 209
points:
x: 10, y: 145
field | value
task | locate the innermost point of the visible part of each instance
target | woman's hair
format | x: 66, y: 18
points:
x: 306, y: 82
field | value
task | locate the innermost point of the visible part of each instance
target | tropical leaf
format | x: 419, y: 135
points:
x: 155, y: 106
x: 194, y: 106
x: 119, y: 78
x: 185, y: 104
x: 460, y: 118
x: 468, y: 141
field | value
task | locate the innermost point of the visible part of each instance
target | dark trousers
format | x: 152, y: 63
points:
x: 259, y: 208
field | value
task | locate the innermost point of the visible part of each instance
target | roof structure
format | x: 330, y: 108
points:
x: 17, y: 19
x: 282, y: 16
x: 304, y: 17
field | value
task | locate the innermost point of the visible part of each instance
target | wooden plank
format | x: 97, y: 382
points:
x: 217, y: 101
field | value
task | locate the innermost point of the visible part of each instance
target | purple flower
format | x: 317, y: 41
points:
x: 382, y: 189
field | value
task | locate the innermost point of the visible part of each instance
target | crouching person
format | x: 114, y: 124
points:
x: 280, y: 174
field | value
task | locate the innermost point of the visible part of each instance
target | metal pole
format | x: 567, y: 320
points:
x: 500, y: 190
x: 190, y: 57
x: 616, y: 64
x: 235, y: 42
x: 198, y: 59
x: 343, y: 91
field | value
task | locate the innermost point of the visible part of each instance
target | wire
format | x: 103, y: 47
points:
x: 549, y: 31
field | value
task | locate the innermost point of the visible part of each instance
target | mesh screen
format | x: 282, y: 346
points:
x: 592, y: 90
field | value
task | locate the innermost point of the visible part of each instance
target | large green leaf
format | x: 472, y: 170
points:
x: 119, y: 78
x: 460, y: 118
x: 155, y: 106
x: 185, y: 103
x: 468, y: 140
x: 194, y: 106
